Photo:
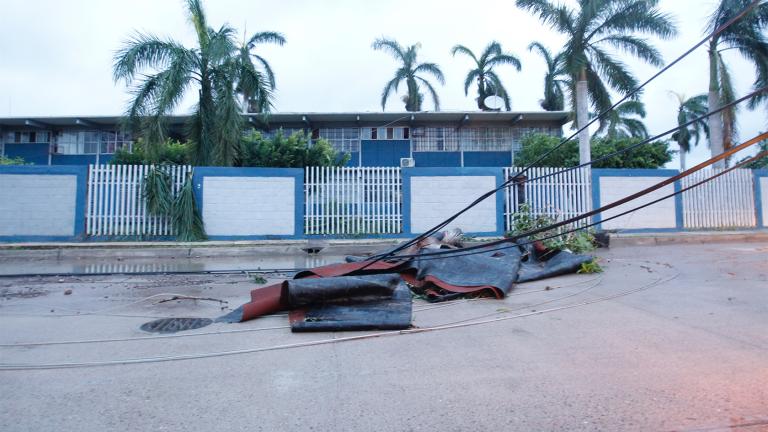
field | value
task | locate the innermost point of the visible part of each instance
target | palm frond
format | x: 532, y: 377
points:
x: 389, y: 46
x: 472, y: 75
x: 432, y: 92
x: 461, y: 49
x: 638, y: 47
x: 431, y: 69
x: 265, y: 37
x: 144, y: 51
x: 558, y: 16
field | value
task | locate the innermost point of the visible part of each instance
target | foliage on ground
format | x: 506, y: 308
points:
x: 652, y: 155
x: 525, y: 220
x: 179, y: 206
x: 590, y: 267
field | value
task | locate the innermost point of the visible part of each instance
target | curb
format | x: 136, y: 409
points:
x: 657, y: 239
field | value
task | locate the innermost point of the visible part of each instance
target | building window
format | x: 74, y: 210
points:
x: 435, y: 139
x: 92, y: 142
x: 388, y: 133
x: 287, y: 132
x: 345, y: 140
x: 490, y: 139
x: 28, y: 137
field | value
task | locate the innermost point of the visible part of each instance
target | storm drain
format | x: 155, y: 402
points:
x: 173, y: 325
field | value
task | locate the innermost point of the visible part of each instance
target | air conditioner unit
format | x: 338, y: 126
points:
x: 407, y: 163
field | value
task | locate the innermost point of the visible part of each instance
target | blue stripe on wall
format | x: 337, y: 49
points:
x: 31, y: 153
x: 385, y: 153
x: 437, y: 159
x: 60, y: 159
x: 487, y: 159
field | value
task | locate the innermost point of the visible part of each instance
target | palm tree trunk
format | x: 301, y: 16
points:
x: 682, y: 159
x: 582, y: 117
x: 715, y: 121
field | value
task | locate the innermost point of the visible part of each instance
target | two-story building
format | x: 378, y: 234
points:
x: 422, y: 139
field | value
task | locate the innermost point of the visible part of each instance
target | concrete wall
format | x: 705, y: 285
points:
x: 611, y: 185
x: 41, y: 203
x: 250, y: 202
x: 433, y: 194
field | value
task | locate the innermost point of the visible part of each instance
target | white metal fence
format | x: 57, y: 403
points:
x: 725, y: 202
x: 559, y: 196
x: 116, y: 206
x: 351, y: 201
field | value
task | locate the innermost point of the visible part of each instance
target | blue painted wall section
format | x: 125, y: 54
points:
x: 610, y: 172
x: 60, y: 159
x: 384, y: 152
x: 81, y: 174
x: 199, y: 174
x: 31, y: 153
x: 487, y: 159
x: 498, y: 173
x: 759, y: 204
x: 436, y: 159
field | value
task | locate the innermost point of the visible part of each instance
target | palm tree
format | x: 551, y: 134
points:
x: 554, y: 97
x: 257, y: 87
x: 409, y: 72
x: 488, y: 83
x: 621, y: 122
x: 592, y: 28
x: 216, y: 68
x: 747, y: 37
x: 687, y: 110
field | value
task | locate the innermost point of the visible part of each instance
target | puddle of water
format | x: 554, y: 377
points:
x: 161, y: 265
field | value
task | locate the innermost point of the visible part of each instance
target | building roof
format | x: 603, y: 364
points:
x: 379, y: 119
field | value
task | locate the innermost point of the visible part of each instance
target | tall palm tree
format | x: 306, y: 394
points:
x: 592, y: 28
x: 488, y: 82
x: 409, y: 71
x: 622, y: 121
x: 747, y: 37
x: 164, y: 69
x: 687, y: 110
x: 257, y: 87
x: 554, y: 78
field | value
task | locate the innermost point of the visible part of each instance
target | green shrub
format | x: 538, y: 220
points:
x: 171, y: 152
x: 13, y: 161
x: 652, y: 155
x: 294, y: 151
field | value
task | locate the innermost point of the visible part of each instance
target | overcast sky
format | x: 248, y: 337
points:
x: 56, y: 56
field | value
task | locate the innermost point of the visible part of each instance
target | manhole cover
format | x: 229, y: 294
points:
x: 173, y: 325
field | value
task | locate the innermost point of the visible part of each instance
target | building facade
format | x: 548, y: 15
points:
x: 422, y: 139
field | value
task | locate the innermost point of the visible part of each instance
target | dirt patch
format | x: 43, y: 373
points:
x: 8, y: 294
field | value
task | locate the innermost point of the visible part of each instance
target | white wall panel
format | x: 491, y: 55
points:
x: 249, y: 206
x: 433, y: 199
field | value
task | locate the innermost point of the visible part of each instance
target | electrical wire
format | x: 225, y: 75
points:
x: 484, y: 248
x: 130, y: 339
x: 145, y: 360
x: 458, y: 252
x: 505, y: 184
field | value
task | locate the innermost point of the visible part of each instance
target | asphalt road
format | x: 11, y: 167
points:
x: 669, y: 337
